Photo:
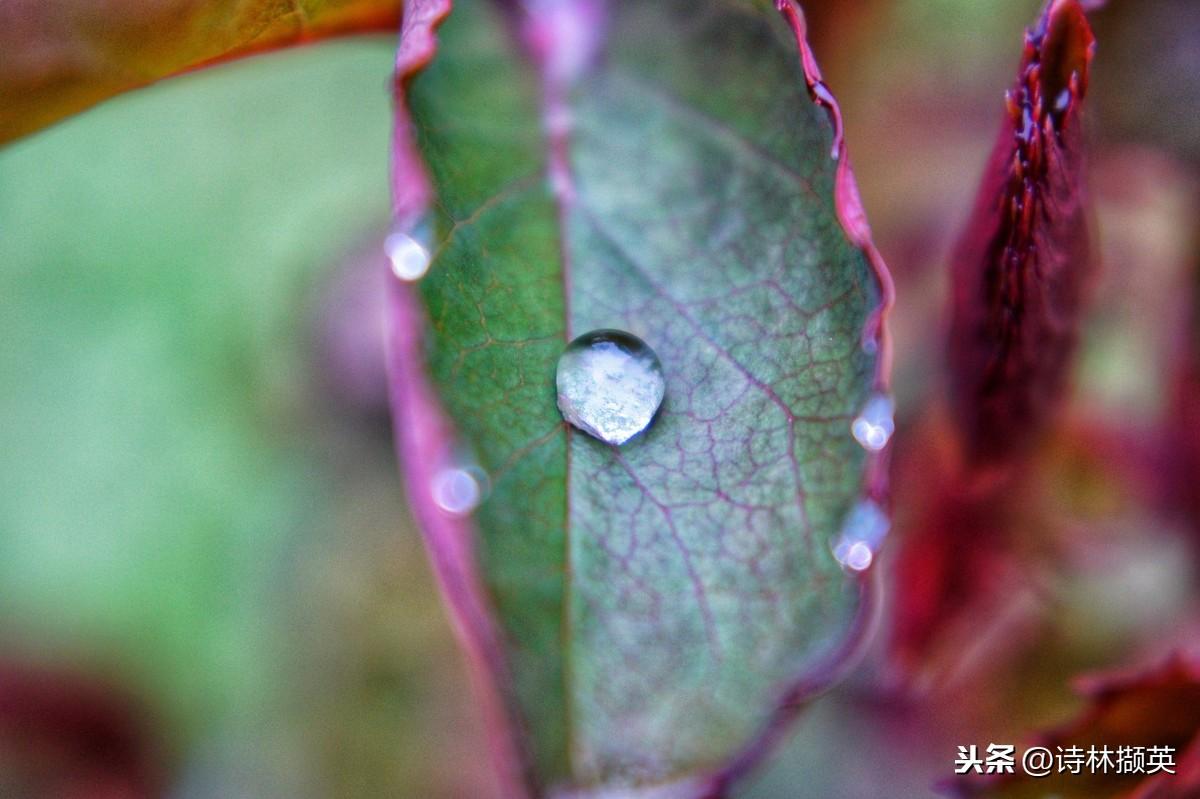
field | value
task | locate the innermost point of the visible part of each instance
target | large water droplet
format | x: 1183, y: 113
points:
x: 873, y: 427
x: 862, y: 534
x: 458, y: 490
x: 610, y: 385
x: 410, y: 258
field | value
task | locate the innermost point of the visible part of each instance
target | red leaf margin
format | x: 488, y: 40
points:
x: 425, y: 437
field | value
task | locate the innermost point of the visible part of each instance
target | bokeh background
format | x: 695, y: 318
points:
x: 209, y: 584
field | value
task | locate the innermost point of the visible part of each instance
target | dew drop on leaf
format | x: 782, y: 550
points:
x: 610, y: 384
x: 458, y: 490
x: 409, y: 258
x: 873, y: 427
x: 862, y: 534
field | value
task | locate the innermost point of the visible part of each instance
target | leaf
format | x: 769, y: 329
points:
x: 1179, y: 465
x: 1157, y: 706
x: 1021, y: 268
x: 976, y: 569
x: 958, y: 565
x: 62, y: 56
x: 63, y: 733
x: 649, y: 615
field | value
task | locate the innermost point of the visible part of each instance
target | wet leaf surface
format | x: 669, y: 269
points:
x: 654, y: 602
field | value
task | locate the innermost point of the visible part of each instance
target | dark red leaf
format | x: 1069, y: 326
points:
x: 68, y: 735
x: 1021, y: 268
x: 1181, y: 433
x: 1155, y: 707
x: 965, y: 562
x: 1183, y: 784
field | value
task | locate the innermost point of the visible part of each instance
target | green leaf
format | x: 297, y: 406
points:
x: 656, y: 602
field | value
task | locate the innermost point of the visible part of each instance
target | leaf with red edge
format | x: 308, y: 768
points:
x: 1021, y: 268
x: 58, y: 57
x: 648, y: 617
x: 1139, y: 709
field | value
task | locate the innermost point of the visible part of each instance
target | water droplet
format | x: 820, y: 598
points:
x: 410, y: 258
x: 458, y: 490
x: 873, y: 427
x: 610, y: 385
x: 862, y: 534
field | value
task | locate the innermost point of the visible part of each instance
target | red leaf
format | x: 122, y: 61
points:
x: 1183, y: 784
x: 70, y: 735
x: 1181, y: 433
x: 1155, y: 707
x: 1020, y: 270
x: 966, y: 566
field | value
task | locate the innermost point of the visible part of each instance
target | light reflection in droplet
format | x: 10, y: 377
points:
x: 873, y: 427
x: 857, y: 556
x: 458, y: 490
x: 410, y: 259
x: 862, y: 534
x: 610, y: 385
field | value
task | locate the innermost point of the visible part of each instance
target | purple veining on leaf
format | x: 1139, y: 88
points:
x: 426, y: 444
x: 425, y: 440
x: 425, y: 437
x: 853, y: 218
x: 809, y: 686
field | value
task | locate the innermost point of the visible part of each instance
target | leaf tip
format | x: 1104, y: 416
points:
x: 1021, y: 267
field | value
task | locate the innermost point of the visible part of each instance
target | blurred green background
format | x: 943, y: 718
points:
x: 191, y: 507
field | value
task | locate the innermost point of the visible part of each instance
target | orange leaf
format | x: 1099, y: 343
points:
x: 62, y: 56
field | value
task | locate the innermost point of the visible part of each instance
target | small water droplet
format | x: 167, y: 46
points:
x: 1025, y: 134
x: 862, y: 534
x: 410, y: 258
x: 873, y: 427
x: 610, y: 384
x: 458, y: 490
